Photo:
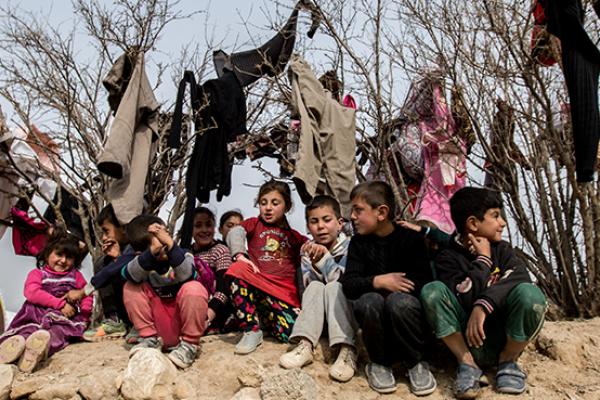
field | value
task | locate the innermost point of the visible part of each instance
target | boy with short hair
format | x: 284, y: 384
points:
x: 165, y: 303
x: 107, y: 280
x: 485, y: 296
x: 323, y: 301
x: 387, y: 267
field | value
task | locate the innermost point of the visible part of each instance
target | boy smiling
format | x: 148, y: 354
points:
x: 485, y: 309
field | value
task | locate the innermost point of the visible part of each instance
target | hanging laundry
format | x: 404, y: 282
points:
x: 462, y: 120
x: 128, y: 149
x: 500, y: 167
x: 541, y: 41
x: 581, y: 68
x: 8, y: 178
x: 68, y: 210
x: 444, y: 152
x: 29, y: 236
x: 269, y: 59
x: 219, y: 109
x: 327, y: 140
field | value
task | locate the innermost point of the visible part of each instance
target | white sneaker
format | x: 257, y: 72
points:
x: 300, y: 356
x: 249, y: 342
x: 345, y: 365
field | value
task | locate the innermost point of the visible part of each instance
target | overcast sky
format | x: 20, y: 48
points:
x: 226, y: 23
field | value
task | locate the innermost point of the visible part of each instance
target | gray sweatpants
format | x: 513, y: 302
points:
x: 325, y: 302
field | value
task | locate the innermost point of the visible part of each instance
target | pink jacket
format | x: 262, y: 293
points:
x: 36, y: 294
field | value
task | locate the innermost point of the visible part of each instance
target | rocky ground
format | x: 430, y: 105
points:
x: 563, y: 363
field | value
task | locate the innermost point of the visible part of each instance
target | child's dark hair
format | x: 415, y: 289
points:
x: 107, y: 214
x: 472, y: 202
x: 205, y: 211
x: 229, y: 214
x: 323, y: 201
x: 137, y: 231
x: 375, y: 194
x: 62, y: 243
x: 276, y: 186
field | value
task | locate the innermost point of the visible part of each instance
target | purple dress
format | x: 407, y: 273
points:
x: 32, y: 317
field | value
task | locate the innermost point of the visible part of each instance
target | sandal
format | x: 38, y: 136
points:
x: 36, y: 349
x: 469, y: 380
x: 11, y: 349
x: 510, y: 378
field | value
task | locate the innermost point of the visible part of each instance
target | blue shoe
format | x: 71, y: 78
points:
x: 468, y: 381
x: 510, y: 378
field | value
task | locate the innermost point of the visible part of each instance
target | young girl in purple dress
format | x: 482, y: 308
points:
x: 46, y: 322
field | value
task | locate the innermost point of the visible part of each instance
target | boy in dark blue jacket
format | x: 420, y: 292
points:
x: 484, y: 308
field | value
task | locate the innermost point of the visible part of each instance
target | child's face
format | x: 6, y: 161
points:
x: 365, y: 218
x: 324, y: 226
x: 158, y: 249
x: 110, y: 232
x: 272, y: 207
x: 490, y: 227
x: 232, y: 221
x: 204, y: 230
x: 59, y: 262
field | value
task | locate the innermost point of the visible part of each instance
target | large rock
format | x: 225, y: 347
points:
x: 57, y: 391
x: 7, y: 376
x: 247, y: 393
x: 27, y: 387
x: 149, y: 375
x: 101, y: 385
x: 291, y: 385
x: 252, y: 374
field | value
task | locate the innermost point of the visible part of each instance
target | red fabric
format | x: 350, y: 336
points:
x: 349, y: 101
x: 28, y: 236
x: 540, y: 38
x: 181, y: 317
x: 276, y: 252
x: 34, y: 293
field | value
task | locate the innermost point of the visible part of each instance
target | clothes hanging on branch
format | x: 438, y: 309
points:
x: 128, y: 149
x: 269, y: 59
x: 581, y: 69
x: 219, y: 109
x: 327, y: 140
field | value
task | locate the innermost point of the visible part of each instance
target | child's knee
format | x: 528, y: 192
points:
x: 530, y: 298
x: 333, y: 288
x: 193, y: 289
x: 433, y: 293
x: 314, y: 286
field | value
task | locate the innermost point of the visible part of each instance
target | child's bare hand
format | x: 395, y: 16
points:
x: 410, y: 225
x: 245, y: 259
x: 68, y: 310
x: 479, y: 245
x: 111, y: 248
x: 475, y: 332
x: 394, y: 282
x: 73, y: 296
x: 161, y: 233
x: 313, y: 251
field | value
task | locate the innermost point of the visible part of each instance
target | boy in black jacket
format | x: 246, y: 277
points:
x: 386, y: 268
x: 485, y: 309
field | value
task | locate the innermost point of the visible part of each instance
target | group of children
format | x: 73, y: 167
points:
x: 266, y: 276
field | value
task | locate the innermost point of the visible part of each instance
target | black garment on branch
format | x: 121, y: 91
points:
x: 68, y: 209
x: 581, y: 68
x: 219, y: 112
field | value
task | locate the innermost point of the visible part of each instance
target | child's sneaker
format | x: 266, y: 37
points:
x: 11, y: 349
x: 133, y: 337
x: 249, y: 342
x: 344, y: 366
x: 150, y: 342
x: 108, y: 329
x: 184, y: 354
x: 297, y: 357
x: 36, y: 349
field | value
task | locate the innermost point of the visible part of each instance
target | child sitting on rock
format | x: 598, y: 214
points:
x: 323, y: 301
x: 165, y: 303
x: 46, y: 322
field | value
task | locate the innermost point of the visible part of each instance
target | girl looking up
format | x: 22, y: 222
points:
x: 46, y: 322
x: 263, y: 275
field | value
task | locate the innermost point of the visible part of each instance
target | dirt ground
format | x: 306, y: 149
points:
x: 563, y: 363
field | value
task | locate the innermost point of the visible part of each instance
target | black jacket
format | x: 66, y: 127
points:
x: 479, y: 279
x: 403, y: 250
